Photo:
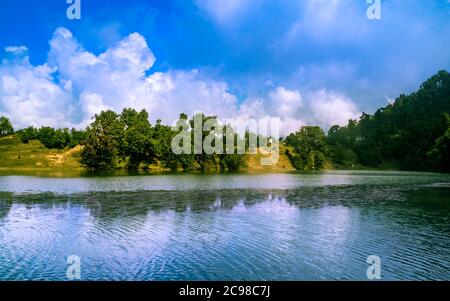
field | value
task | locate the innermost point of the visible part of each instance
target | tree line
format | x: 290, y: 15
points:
x: 129, y: 140
x: 413, y: 131
x: 53, y: 138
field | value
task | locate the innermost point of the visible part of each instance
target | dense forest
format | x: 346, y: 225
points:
x: 413, y: 133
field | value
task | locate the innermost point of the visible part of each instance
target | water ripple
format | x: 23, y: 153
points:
x: 313, y: 232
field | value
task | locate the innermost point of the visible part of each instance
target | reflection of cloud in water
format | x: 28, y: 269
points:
x: 333, y: 225
x: 308, y: 233
x: 109, y: 205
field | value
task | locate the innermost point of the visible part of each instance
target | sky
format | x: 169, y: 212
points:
x: 315, y: 62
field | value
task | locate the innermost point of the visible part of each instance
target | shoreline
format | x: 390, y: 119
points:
x: 83, y: 173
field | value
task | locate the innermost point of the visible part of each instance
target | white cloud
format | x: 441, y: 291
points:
x: 252, y: 107
x: 227, y: 13
x: 16, y: 49
x: 221, y: 10
x: 319, y: 107
x: 389, y: 100
x: 322, y: 12
x: 91, y: 104
x: 325, y: 21
x: 280, y: 102
x: 117, y: 75
x: 285, y: 102
x: 29, y: 95
x: 75, y: 84
x: 178, y: 91
x: 330, y: 108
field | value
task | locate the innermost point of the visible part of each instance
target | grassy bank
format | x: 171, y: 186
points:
x: 19, y: 158
x: 33, y: 156
x: 253, y: 163
x: 15, y: 155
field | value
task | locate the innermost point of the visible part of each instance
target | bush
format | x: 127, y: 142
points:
x: 30, y: 133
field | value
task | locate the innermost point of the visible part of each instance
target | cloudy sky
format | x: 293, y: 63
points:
x: 307, y: 62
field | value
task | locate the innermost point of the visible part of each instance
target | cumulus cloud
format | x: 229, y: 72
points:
x: 74, y: 84
x: 320, y: 107
x: 29, y: 94
x: 279, y: 102
x: 330, y: 108
x: 286, y: 102
x: 116, y: 77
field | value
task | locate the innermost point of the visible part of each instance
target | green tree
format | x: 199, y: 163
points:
x: 343, y: 155
x: 77, y: 137
x: 46, y: 136
x: 137, y: 141
x: 406, y: 131
x: 310, y: 147
x: 103, y: 138
x: 6, y: 127
x: 440, y: 152
x: 30, y: 133
x: 61, y: 139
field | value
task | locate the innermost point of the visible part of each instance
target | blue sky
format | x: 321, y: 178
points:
x: 311, y: 61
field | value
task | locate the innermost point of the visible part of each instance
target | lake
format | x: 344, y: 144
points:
x: 293, y: 226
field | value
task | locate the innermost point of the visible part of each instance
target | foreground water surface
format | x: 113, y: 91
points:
x: 226, y: 227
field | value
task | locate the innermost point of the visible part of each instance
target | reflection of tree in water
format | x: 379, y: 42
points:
x: 123, y: 204
x: 5, y: 204
x: 108, y: 206
x: 430, y: 198
x: 111, y: 205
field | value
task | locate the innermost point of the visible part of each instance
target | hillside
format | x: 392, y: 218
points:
x: 33, y: 156
x: 15, y: 155
x: 253, y: 163
x: 414, y: 131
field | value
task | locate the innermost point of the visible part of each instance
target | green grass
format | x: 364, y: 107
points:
x: 18, y: 157
x: 15, y: 155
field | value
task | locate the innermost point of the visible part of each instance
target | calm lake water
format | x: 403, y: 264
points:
x: 226, y: 227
